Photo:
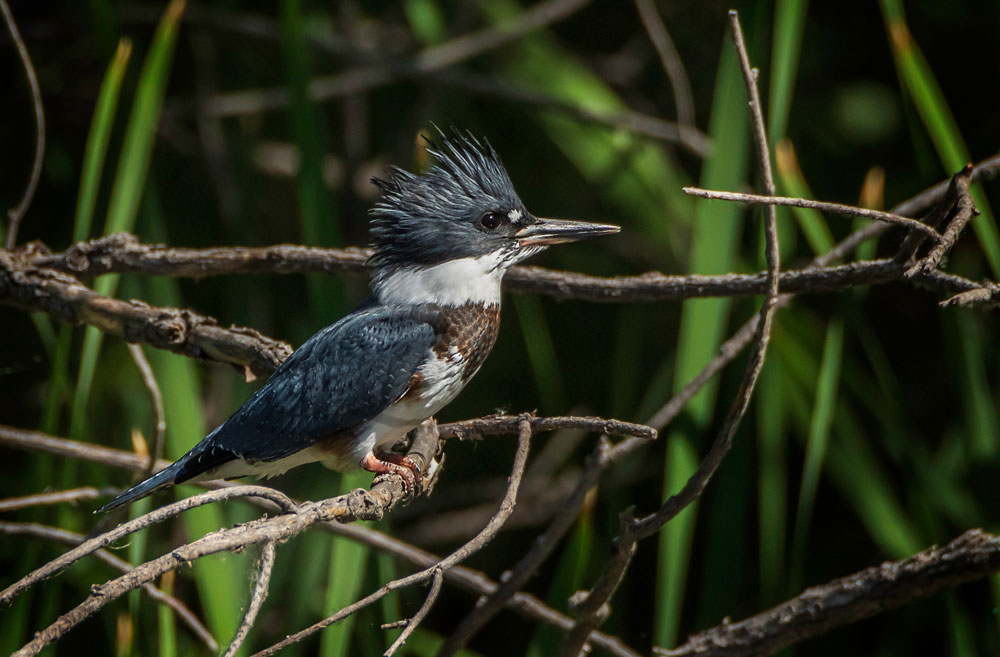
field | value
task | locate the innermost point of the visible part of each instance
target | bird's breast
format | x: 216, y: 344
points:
x: 465, y: 335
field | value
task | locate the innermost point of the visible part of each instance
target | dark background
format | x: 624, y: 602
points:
x: 911, y: 454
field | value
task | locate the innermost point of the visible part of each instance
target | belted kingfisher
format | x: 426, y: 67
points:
x: 442, y: 242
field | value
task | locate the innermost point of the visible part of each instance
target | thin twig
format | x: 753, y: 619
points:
x: 370, y: 76
x: 673, y: 66
x: 17, y: 213
x: 835, y: 208
x: 71, y: 538
x: 590, y: 605
x: 468, y: 579
x: 156, y: 401
x: 961, y: 212
x: 474, y: 545
x: 817, y: 610
x: 720, y: 447
x: 256, y: 599
x: 514, y: 579
x: 356, y: 505
x: 494, y: 425
x: 411, y: 625
x: 153, y: 517
x: 73, y: 495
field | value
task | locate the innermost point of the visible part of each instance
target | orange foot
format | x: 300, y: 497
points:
x: 390, y: 463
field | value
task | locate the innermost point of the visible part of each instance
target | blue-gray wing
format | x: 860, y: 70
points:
x: 340, y: 378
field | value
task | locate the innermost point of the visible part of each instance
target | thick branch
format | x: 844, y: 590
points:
x: 473, y: 581
x: 186, y: 332
x: 356, y: 505
x: 122, y: 253
x: 72, y: 538
x: 472, y: 546
x: 973, y: 555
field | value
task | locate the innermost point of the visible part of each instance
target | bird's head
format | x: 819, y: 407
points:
x: 461, y: 217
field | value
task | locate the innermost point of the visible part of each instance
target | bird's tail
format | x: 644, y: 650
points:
x: 161, y: 479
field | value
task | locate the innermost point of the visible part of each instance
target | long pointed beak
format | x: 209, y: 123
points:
x: 556, y: 231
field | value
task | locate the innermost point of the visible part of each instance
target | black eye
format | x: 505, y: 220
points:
x: 490, y: 221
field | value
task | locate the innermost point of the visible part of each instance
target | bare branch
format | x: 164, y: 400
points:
x: 973, y: 555
x: 370, y: 76
x: 16, y: 214
x: 494, y: 425
x: 590, y: 606
x: 412, y: 623
x: 181, y: 331
x: 468, y: 579
x: 961, y: 211
x: 474, y: 545
x: 123, y: 254
x: 835, y: 208
x: 72, y: 496
x: 156, y: 401
x: 486, y: 608
x: 673, y: 66
x: 71, y: 538
x: 256, y: 599
x: 153, y: 517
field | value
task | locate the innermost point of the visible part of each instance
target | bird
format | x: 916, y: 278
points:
x: 442, y: 241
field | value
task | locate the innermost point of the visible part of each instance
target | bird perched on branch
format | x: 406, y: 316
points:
x: 443, y: 240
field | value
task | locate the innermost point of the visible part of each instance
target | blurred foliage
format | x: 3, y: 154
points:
x: 874, y: 430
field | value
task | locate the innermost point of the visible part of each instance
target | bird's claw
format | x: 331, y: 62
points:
x: 390, y: 463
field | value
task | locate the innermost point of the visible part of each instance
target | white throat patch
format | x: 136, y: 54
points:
x: 454, y: 283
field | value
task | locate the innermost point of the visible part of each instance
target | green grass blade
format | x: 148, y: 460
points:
x: 816, y: 445
x: 316, y: 211
x: 346, y: 575
x: 789, y: 26
x: 980, y: 411
x: 93, y: 165
x: 715, y: 233
x: 126, y: 192
x: 569, y: 578
x: 938, y: 120
x: 541, y: 353
x: 772, y: 485
x: 634, y: 174
x: 97, y: 140
x: 427, y: 23
x: 222, y: 581
x: 793, y: 183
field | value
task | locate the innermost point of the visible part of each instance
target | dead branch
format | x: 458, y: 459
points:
x: 182, y: 331
x: 72, y: 538
x: 817, y: 610
x: 16, y: 214
x: 155, y: 401
x: 472, y: 546
x: 495, y: 425
x: 670, y: 59
x: 833, y: 208
x: 256, y: 599
x: 410, y: 625
x: 356, y: 505
x: 473, y: 581
x: 153, y: 517
x: 591, y: 607
x: 961, y: 211
x: 71, y: 496
x: 122, y: 253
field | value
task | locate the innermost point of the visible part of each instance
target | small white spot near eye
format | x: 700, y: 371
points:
x: 514, y: 215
